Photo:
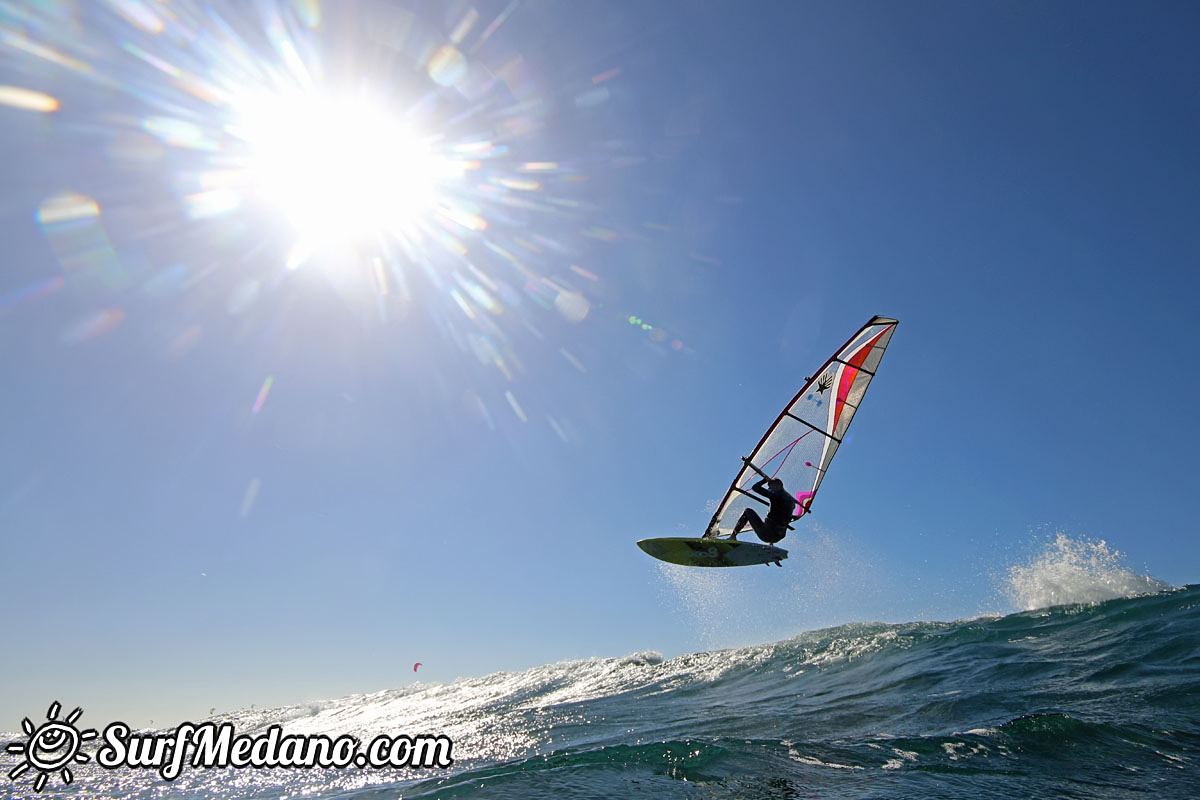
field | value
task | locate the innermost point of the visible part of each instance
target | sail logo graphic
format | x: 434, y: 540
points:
x: 51, y: 747
x: 824, y: 384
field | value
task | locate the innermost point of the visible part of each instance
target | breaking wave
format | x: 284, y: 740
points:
x: 1075, y: 571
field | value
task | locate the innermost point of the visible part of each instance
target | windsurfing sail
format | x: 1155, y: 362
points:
x: 802, y: 441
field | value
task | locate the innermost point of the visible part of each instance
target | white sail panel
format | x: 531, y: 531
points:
x: 801, y: 443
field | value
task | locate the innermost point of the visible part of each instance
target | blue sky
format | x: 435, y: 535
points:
x: 225, y: 482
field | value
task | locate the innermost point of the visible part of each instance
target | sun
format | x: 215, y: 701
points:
x: 341, y: 168
x: 52, y: 746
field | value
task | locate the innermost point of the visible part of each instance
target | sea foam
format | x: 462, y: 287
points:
x: 1075, y: 571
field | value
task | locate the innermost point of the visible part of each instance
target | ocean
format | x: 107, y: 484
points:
x: 1088, y: 699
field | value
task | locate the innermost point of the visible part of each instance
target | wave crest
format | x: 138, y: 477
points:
x: 1070, y: 572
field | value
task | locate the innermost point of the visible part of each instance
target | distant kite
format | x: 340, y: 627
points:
x: 416, y: 665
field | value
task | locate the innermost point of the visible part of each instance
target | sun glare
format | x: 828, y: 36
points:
x: 341, y: 169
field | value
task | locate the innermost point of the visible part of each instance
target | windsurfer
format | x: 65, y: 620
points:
x: 779, y: 516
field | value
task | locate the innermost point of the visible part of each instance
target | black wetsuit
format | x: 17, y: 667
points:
x: 779, y: 516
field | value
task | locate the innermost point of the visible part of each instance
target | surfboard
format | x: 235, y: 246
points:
x: 701, y: 552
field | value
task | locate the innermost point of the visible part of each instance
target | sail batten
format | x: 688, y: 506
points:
x: 825, y: 406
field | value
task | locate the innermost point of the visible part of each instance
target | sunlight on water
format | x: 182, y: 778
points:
x: 1069, y: 571
x: 896, y: 702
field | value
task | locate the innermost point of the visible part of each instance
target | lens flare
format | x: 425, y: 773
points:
x: 340, y: 169
x: 434, y: 180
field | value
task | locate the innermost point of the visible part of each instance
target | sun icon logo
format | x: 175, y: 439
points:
x: 51, y: 747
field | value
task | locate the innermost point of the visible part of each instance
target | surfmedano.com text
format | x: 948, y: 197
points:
x: 213, y: 745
